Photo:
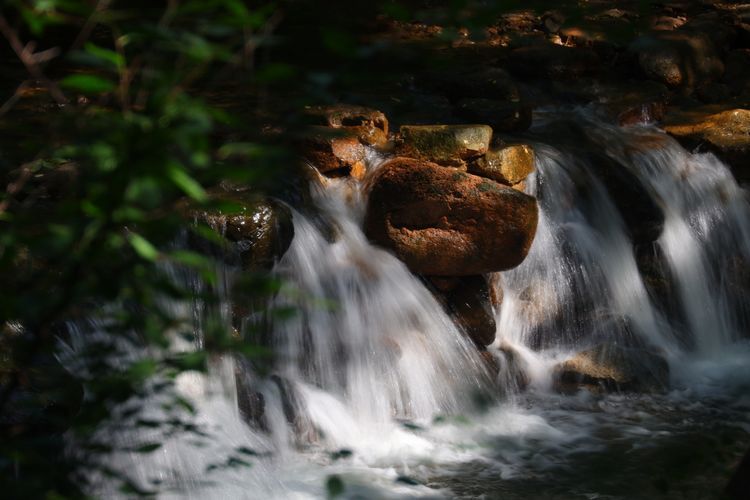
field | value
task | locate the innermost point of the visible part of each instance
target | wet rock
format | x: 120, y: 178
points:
x: 635, y: 101
x: 450, y: 145
x: 334, y: 152
x: 369, y: 125
x: 678, y: 59
x: 250, y: 402
x: 667, y: 23
x: 507, y: 165
x: 468, y: 301
x: 649, y: 112
x: 513, y: 368
x: 305, y: 431
x: 336, y: 141
x: 502, y: 116
x: 523, y: 21
x: 490, y: 362
x: 552, y: 21
x: 609, y: 367
x: 444, y: 222
x: 658, y: 279
x: 549, y: 60
x: 495, y: 281
x: 259, y: 233
x: 724, y: 133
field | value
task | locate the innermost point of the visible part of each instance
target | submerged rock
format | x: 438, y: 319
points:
x: 513, y: 369
x: 609, y: 367
x: 507, y: 165
x: 468, y: 301
x: 251, y: 403
x: 443, y: 222
x: 725, y: 133
x: 451, y: 145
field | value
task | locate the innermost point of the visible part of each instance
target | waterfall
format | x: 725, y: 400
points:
x: 372, y: 380
x: 366, y: 332
x: 581, y: 279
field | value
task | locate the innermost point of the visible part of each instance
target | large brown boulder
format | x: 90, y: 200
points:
x: 725, y: 133
x: 443, y: 222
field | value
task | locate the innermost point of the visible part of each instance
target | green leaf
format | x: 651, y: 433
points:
x: 143, y: 247
x: 192, y: 259
x: 110, y: 56
x: 148, y: 448
x: 88, y: 84
x: 276, y: 72
x: 143, y: 369
x: 195, y: 360
x: 242, y: 149
x: 334, y: 486
x: 182, y: 180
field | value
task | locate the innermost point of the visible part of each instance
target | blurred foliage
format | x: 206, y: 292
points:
x: 114, y: 113
x: 119, y: 134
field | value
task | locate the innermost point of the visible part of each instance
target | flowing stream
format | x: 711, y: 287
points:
x: 374, y: 384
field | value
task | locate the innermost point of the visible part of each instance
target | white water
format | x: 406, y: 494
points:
x: 372, y: 365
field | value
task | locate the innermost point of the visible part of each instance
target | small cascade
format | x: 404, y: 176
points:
x: 706, y: 238
x: 582, y: 284
x: 367, y: 332
x: 372, y: 380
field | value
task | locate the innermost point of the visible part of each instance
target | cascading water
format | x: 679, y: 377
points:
x: 373, y: 382
x: 369, y: 346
